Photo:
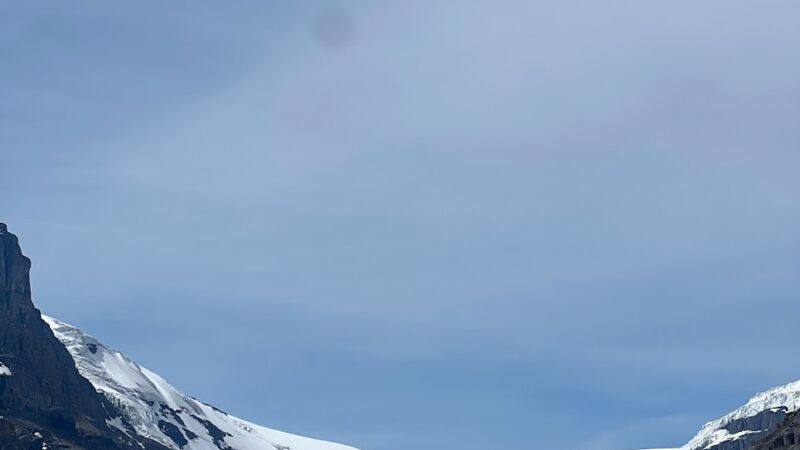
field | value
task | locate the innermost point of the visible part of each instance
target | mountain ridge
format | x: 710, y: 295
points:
x: 770, y: 420
x: 44, y: 401
x: 159, y: 411
x: 63, y: 389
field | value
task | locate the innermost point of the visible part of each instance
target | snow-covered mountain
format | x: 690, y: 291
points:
x: 44, y: 400
x: 770, y: 420
x: 153, y: 409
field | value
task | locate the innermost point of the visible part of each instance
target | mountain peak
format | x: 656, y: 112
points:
x: 61, y: 388
x: 14, y: 269
x: 41, y: 392
x: 157, y: 410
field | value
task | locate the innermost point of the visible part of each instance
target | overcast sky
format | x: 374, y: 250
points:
x: 452, y: 225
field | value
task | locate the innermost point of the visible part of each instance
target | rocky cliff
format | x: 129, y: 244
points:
x: 43, y: 398
x: 69, y: 391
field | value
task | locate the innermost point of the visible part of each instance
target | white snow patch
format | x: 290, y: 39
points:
x: 144, y: 398
x: 117, y: 423
x: 786, y: 397
x: 721, y: 436
x: 782, y: 398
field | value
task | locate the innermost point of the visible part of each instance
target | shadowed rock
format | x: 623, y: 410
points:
x: 44, y: 395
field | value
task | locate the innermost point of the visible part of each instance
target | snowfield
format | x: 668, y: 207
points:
x: 156, y: 410
x: 777, y: 401
x: 782, y: 398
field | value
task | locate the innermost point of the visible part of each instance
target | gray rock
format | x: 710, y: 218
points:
x: 44, y: 394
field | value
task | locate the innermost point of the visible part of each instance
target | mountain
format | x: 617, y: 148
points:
x: 63, y: 389
x: 769, y: 421
x: 44, y: 401
x: 158, y: 411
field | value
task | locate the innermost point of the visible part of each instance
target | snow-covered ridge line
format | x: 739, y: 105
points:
x: 753, y: 421
x: 782, y: 398
x: 154, y: 409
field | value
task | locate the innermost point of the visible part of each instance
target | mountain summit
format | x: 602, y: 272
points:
x: 61, y: 388
x: 44, y: 401
x: 158, y: 411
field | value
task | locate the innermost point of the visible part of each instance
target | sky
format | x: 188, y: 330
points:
x: 451, y: 224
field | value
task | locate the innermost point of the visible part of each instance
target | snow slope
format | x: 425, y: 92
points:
x: 152, y: 408
x: 781, y: 399
x: 752, y: 421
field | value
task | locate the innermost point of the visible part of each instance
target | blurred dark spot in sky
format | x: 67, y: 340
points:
x: 334, y: 29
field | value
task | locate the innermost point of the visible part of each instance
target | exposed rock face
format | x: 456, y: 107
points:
x: 753, y: 430
x: 784, y: 437
x: 43, y: 398
x: 44, y: 384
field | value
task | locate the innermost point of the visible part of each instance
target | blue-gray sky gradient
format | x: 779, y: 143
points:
x: 451, y: 225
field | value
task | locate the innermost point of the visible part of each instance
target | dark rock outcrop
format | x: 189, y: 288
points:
x: 755, y: 429
x: 43, y: 400
x: 785, y: 437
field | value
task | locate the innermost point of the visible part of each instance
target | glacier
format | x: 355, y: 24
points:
x: 154, y: 409
x: 749, y: 424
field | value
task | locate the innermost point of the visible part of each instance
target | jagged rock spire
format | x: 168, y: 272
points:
x: 15, y: 285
